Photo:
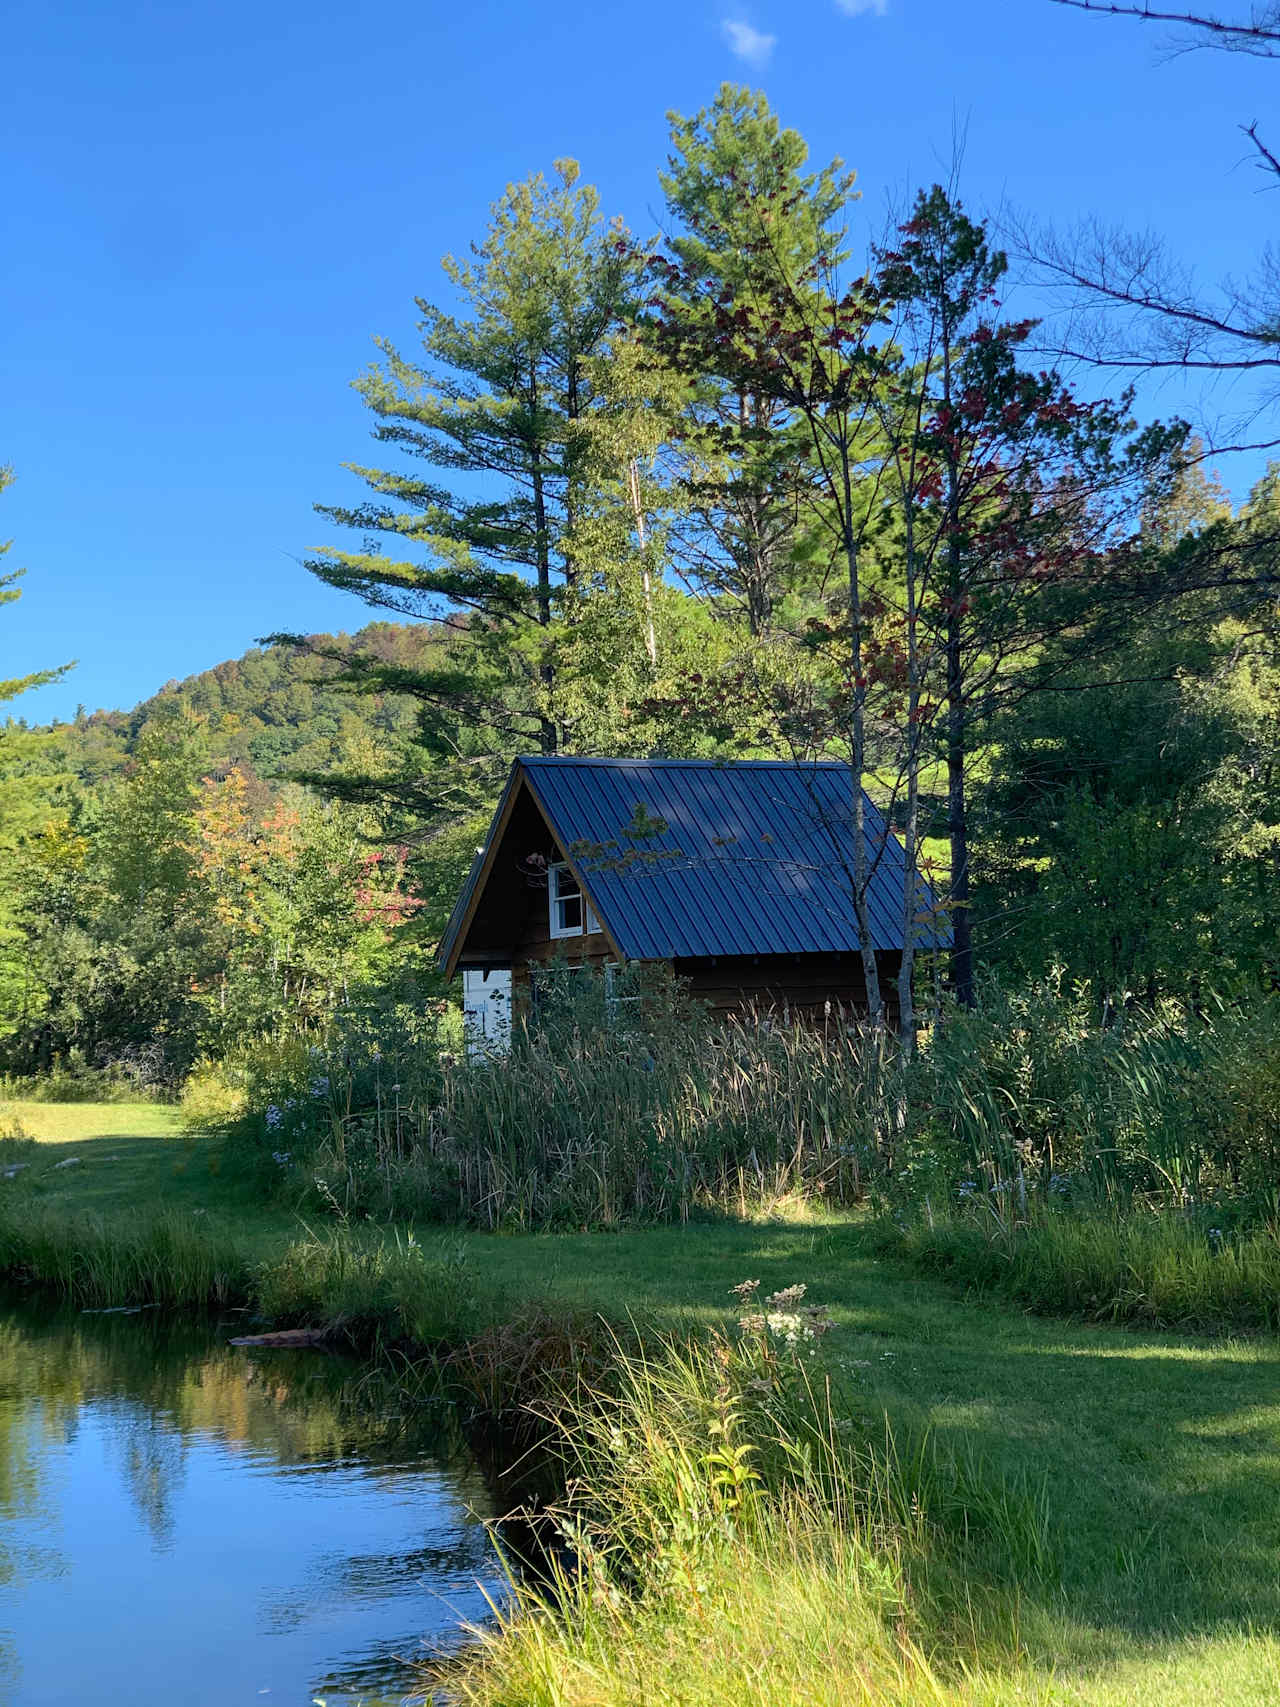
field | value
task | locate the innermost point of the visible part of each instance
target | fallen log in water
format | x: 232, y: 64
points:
x: 285, y: 1337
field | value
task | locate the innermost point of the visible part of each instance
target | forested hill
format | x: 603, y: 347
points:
x: 273, y: 709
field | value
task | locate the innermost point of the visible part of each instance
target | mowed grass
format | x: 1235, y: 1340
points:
x: 125, y: 1159
x: 1158, y: 1454
x: 72, y: 1122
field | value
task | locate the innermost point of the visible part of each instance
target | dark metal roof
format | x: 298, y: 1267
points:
x: 753, y: 857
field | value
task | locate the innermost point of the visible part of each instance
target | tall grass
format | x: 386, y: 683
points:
x: 635, y: 1110
x: 1106, y: 1263
x: 418, y: 1306
x: 733, y: 1538
x: 161, y: 1258
x: 643, y: 1110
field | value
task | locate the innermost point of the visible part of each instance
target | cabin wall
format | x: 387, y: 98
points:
x: 536, y: 946
x: 512, y: 923
x: 809, y: 987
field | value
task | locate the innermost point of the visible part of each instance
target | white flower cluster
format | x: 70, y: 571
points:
x: 783, y: 1314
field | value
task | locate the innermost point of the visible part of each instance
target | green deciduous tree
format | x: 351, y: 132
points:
x: 1018, y: 503
x: 1132, y: 812
x: 29, y: 773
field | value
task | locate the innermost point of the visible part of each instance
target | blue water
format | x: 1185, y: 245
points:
x: 184, y: 1522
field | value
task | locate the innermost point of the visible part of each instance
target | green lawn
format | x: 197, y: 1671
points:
x: 1160, y: 1453
x: 69, y: 1122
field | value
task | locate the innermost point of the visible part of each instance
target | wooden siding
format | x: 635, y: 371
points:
x: 512, y: 922
x: 807, y: 986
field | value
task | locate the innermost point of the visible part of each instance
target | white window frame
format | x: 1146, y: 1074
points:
x: 588, y: 924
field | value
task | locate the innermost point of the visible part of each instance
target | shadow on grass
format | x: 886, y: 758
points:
x: 1159, y: 1453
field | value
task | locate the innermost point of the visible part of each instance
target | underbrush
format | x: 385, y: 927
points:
x: 731, y: 1535
x: 74, y: 1081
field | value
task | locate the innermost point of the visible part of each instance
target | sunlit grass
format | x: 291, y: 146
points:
x: 1158, y: 1454
x: 71, y: 1122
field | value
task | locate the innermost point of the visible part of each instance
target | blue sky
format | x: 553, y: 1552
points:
x: 207, y: 210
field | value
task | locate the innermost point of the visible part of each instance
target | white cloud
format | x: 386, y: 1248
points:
x: 855, y: 8
x: 752, y: 45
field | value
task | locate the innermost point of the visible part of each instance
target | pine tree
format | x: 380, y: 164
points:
x: 753, y: 298
x: 498, y: 409
x: 747, y: 222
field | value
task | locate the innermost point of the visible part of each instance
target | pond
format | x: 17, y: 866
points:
x: 181, y: 1520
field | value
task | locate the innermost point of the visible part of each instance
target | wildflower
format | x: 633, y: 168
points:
x: 745, y: 1290
x: 281, y: 1158
x: 274, y: 1116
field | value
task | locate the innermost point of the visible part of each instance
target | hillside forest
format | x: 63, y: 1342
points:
x: 781, y: 480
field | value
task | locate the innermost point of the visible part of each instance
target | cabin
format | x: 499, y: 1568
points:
x: 737, y: 875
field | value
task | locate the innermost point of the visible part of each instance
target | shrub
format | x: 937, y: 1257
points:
x: 214, y: 1098
x: 133, y: 1078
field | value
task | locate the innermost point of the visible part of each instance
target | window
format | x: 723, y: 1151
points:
x: 568, y: 905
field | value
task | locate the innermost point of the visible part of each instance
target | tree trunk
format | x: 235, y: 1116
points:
x: 957, y: 820
x: 861, y: 864
x: 911, y: 829
x: 547, y: 733
x: 646, y: 578
x: 957, y: 717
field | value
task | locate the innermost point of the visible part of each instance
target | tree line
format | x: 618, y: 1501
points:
x: 776, y: 481
x: 773, y: 481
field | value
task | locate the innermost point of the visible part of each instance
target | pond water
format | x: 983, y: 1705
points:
x: 184, y: 1521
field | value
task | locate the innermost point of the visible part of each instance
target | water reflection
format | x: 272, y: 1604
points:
x: 180, y: 1520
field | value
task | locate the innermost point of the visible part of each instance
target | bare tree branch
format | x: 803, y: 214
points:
x: 1260, y: 36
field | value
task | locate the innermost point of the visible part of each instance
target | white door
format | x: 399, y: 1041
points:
x: 486, y: 1011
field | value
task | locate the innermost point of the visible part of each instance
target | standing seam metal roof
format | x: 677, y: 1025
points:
x: 756, y: 856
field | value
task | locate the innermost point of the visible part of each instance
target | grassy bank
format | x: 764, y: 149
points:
x: 1156, y: 1457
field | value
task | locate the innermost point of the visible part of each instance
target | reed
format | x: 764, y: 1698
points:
x: 596, y: 1121
x: 164, y: 1258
